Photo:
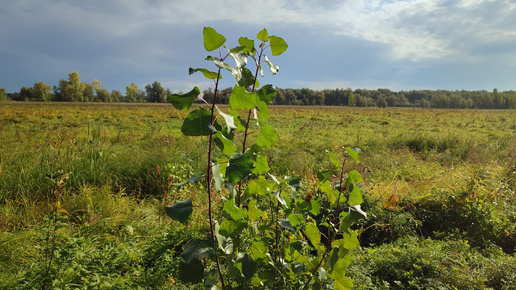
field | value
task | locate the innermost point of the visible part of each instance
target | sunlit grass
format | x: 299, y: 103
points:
x: 122, y: 159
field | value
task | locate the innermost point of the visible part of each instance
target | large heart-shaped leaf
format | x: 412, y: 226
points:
x: 239, y: 167
x: 184, y: 102
x: 180, y: 211
x: 212, y: 39
x: 240, y: 99
x: 278, y: 45
x: 198, y: 123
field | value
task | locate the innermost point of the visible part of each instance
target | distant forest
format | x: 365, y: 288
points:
x: 73, y: 90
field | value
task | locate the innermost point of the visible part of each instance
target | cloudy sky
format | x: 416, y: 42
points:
x: 395, y: 44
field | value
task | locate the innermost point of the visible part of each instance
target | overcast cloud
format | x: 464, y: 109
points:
x: 395, y: 44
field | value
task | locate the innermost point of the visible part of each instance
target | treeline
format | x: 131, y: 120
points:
x: 387, y: 98
x: 73, y: 90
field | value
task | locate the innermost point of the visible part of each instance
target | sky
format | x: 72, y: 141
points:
x: 368, y: 44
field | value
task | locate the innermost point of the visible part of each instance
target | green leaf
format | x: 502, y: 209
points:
x: 238, y: 121
x: 217, y: 177
x: 264, y: 111
x: 254, y: 213
x: 208, y: 74
x: 333, y: 158
x: 315, y: 207
x: 355, y: 176
x: 293, y: 182
x: 261, y: 165
x: 267, y: 137
x: 259, y: 250
x: 192, y: 272
x: 278, y: 45
x: 349, y: 218
x: 325, y: 187
x: 246, y: 265
x: 259, y: 186
x: 246, y: 78
x: 298, y: 268
x: 343, y: 283
x: 223, y: 163
x: 240, y: 99
x: 324, y: 175
x: 301, y: 204
x: 285, y: 223
x: 240, y: 59
x: 212, y: 39
x: 352, y: 153
x: 263, y: 35
x: 355, y: 197
x: 323, y: 274
x: 196, y: 249
x: 227, y: 146
x: 267, y: 94
x: 295, y: 219
x: 236, y: 49
x: 230, y: 211
x: 338, y: 261
x: 239, y: 167
x: 355, y: 210
x: 225, y: 244
x: 192, y: 179
x: 211, y: 279
x: 248, y: 44
x: 274, y: 68
x: 312, y: 232
x: 349, y: 240
x: 198, y: 123
x: 230, y: 228
x: 180, y: 211
x: 280, y: 199
x: 184, y: 102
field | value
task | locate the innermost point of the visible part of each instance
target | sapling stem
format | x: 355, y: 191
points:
x: 341, y: 181
x: 208, y: 178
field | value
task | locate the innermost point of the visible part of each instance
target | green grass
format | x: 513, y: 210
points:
x: 453, y: 172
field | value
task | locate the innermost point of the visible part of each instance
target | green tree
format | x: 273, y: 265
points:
x: 72, y: 90
x: 103, y: 95
x: 116, y: 96
x: 41, y: 92
x: 155, y: 93
x: 3, y: 94
x: 25, y: 94
x: 498, y: 99
x: 381, y: 102
x: 88, y: 93
x: 510, y: 100
x: 352, y: 102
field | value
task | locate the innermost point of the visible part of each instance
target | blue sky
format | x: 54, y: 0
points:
x: 399, y: 45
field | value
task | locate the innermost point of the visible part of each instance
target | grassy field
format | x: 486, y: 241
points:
x: 438, y: 185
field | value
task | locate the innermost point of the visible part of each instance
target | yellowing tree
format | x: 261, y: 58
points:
x: 132, y: 93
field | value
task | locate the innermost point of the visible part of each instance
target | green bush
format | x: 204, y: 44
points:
x: 413, y: 263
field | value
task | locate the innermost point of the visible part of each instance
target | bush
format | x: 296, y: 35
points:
x: 413, y: 263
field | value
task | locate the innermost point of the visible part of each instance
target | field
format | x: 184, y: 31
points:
x: 439, y: 190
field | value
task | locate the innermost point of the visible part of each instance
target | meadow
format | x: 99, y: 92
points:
x: 439, y: 189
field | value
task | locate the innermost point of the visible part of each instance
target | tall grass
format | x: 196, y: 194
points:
x: 442, y: 165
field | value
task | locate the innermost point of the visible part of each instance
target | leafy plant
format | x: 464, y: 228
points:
x: 271, y: 233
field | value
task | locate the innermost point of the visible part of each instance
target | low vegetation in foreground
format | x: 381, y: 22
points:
x: 439, y: 190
